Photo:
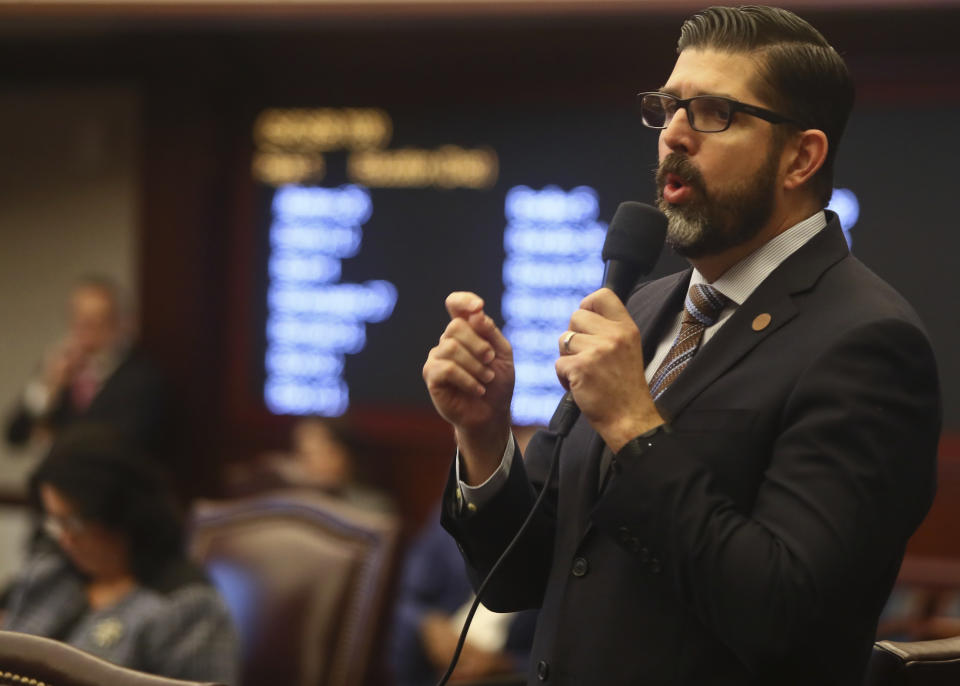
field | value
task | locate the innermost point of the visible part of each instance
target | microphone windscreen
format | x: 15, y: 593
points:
x: 633, y: 245
x: 636, y: 235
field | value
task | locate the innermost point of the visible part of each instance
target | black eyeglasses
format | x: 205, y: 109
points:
x: 705, y: 113
x: 57, y: 525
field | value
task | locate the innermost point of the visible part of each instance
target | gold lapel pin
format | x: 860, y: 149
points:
x: 761, y: 321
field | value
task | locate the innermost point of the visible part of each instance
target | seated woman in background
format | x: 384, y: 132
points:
x: 110, y: 576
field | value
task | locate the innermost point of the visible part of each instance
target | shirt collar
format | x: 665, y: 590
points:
x: 742, y: 279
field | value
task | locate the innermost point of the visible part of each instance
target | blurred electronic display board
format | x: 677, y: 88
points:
x: 368, y: 218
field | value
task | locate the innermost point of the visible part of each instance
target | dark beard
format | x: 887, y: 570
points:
x: 709, y: 224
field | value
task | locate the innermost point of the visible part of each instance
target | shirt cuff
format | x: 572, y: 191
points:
x: 474, y: 497
x: 36, y: 398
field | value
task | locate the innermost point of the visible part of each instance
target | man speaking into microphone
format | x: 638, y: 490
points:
x: 758, y: 433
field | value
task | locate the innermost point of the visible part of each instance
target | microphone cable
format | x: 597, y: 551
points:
x: 554, y: 460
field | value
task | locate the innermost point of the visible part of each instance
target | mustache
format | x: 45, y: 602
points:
x: 680, y: 165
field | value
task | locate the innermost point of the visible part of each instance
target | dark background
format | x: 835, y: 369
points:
x: 551, y: 92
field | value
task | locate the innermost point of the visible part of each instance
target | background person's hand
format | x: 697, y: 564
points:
x: 62, y: 363
x: 439, y: 636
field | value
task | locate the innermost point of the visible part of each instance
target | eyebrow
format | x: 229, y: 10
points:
x: 674, y: 93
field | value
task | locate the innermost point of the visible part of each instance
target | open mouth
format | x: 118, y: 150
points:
x: 675, y: 188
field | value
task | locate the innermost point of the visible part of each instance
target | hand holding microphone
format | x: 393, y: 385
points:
x: 601, y: 357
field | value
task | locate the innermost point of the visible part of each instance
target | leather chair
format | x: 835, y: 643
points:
x: 308, y: 578
x: 27, y: 659
x: 917, y: 663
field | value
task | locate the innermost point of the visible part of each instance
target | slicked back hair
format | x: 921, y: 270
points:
x: 799, y: 74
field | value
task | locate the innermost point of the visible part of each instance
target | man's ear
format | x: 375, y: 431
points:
x: 805, y: 154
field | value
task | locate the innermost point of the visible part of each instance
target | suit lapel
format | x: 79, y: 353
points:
x: 734, y: 340
x: 773, y: 298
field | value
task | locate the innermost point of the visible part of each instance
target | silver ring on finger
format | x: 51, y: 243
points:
x: 566, y: 341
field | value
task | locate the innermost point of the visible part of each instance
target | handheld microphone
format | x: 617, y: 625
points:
x: 631, y: 250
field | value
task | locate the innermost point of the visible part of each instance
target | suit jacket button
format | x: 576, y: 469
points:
x: 580, y: 567
x: 543, y: 670
x: 655, y: 566
x: 615, y: 466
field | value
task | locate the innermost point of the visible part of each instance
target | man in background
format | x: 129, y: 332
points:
x: 94, y: 375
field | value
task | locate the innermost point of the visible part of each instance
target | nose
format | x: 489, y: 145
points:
x: 679, y: 136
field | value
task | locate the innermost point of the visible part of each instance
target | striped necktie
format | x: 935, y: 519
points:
x: 701, y: 309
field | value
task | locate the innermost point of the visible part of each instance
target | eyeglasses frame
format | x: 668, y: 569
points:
x: 735, y: 106
x: 57, y: 525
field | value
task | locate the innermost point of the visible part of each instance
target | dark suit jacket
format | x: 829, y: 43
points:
x: 757, y: 541
x: 134, y: 400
